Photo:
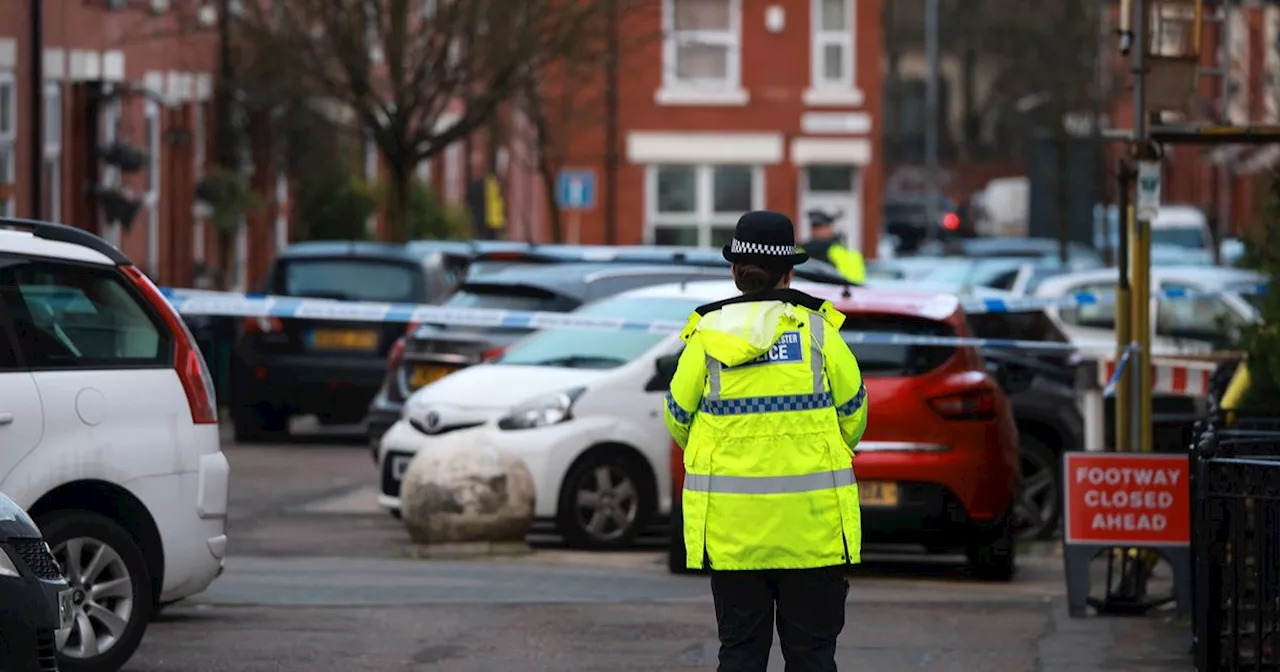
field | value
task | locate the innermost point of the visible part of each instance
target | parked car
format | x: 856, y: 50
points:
x: 938, y: 465
x: 551, y: 278
x: 1180, y: 235
x: 1041, y: 251
x: 1181, y: 326
x: 332, y: 369
x: 109, y: 429
x: 907, y: 222
x: 35, y: 600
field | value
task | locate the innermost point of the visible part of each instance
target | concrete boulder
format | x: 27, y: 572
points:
x: 467, y: 500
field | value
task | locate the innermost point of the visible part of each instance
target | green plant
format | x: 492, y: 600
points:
x: 229, y: 198
x: 430, y: 219
x: 1262, y: 341
x: 341, y: 211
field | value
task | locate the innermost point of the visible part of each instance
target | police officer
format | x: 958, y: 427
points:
x: 767, y: 403
x: 825, y: 245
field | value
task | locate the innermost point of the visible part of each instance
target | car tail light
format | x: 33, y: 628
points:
x: 492, y: 354
x: 396, y: 354
x: 677, y: 469
x: 262, y: 325
x: 970, y: 405
x: 187, y: 360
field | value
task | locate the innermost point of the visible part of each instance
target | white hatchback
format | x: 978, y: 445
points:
x: 108, y: 435
x: 581, y: 408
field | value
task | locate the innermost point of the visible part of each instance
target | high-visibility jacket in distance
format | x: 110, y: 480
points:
x: 768, y: 403
x: 848, y: 261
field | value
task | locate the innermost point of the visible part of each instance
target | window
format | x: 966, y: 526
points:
x: 702, y: 48
x: 53, y: 151
x: 111, y: 174
x: 1098, y: 315
x: 833, y: 44
x: 585, y: 349
x: 8, y: 136
x: 1200, y: 318
x: 699, y: 205
x: 153, y: 185
x: 198, y: 158
x: 506, y: 297
x: 353, y: 280
x: 68, y: 316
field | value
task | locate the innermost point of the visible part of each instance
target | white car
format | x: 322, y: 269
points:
x: 109, y: 435
x: 583, y: 409
x: 1180, y: 326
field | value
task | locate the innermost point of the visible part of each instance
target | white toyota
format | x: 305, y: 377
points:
x: 108, y: 435
x: 582, y: 408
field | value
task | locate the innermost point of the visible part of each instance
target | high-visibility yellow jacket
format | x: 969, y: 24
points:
x: 768, y: 403
x: 849, y: 262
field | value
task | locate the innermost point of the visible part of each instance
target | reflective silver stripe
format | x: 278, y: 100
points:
x: 769, y: 485
x: 713, y: 378
x: 817, y: 331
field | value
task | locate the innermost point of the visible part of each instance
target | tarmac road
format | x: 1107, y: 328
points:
x: 318, y: 579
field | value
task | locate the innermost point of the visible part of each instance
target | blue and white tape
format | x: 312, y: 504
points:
x: 203, y: 303
x: 1110, y: 389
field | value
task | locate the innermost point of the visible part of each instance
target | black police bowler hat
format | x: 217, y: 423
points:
x: 764, y: 238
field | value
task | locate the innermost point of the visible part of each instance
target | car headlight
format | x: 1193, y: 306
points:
x: 7, y: 568
x: 543, y: 411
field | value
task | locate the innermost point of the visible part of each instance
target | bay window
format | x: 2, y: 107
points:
x: 699, y: 205
x: 833, y: 45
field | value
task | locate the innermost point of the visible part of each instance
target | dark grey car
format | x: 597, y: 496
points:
x: 35, y: 600
x: 434, y: 351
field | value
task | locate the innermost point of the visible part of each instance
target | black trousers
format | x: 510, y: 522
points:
x: 809, y: 610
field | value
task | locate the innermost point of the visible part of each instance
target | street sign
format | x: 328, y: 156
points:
x: 576, y: 189
x: 1147, y: 205
x: 1126, y: 499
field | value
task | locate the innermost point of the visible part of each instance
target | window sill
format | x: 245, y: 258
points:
x: 701, y: 97
x: 834, y: 97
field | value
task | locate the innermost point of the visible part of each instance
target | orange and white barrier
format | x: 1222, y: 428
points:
x: 1170, y: 376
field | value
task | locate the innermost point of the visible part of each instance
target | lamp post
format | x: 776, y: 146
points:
x: 37, y: 107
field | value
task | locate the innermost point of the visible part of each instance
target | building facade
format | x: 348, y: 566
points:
x: 718, y: 107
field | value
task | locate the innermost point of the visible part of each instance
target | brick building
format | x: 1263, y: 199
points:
x: 733, y: 105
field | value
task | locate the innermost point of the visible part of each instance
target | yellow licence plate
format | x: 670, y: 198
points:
x: 342, y: 339
x: 425, y: 375
x: 878, y: 494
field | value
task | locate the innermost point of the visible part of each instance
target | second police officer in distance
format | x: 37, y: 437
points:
x: 768, y: 404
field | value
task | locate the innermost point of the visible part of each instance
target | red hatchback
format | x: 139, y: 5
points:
x: 938, y: 465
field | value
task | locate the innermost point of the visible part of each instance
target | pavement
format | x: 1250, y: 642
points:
x: 319, y: 579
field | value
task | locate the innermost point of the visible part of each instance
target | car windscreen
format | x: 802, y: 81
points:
x: 351, y: 280
x: 595, y: 349
x: 500, y: 296
x: 892, y: 360
x: 1188, y: 237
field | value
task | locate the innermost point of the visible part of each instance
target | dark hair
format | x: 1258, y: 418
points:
x: 752, y: 279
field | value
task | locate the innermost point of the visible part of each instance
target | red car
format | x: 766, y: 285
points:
x: 939, y: 464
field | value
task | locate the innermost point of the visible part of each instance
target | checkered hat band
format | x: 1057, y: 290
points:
x: 743, y: 247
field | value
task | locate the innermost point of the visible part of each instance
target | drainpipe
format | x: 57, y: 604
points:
x: 611, y: 128
x: 37, y: 108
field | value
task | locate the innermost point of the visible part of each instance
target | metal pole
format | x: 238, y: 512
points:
x: 612, y: 63
x: 1124, y: 222
x: 932, y: 117
x: 1141, y: 289
x: 37, y: 109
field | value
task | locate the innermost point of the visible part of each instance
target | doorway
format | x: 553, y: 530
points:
x: 836, y: 190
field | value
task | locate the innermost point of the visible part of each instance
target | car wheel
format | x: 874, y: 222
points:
x: 995, y: 560
x: 1038, y: 506
x: 260, y: 423
x: 604, y: 503
x: 113, y: 598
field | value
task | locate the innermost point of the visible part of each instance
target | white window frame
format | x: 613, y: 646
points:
x: 845, y: 39
x: 53, y: 148
x: 8, y: 139
x: 703, y: 218
x: 151, y: 113
x: 370, y: 176
x: 822, y: 91
x: 111, y: 174
x: 453, y: 173
x: 702, y: 91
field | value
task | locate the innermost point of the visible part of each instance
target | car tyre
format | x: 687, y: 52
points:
x: 605, y: 501
x: 101, y: 558
x: 995, y: 560
x: 1039, y: 507
x: 260, y: 423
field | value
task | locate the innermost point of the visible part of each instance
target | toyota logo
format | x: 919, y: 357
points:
x: 433, y: 420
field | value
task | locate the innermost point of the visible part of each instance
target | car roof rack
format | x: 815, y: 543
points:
x: 66, y: 234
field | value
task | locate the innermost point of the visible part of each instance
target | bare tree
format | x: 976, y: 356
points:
x: 397, y: 68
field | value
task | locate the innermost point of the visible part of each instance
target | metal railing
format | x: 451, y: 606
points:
x: 1235, y: 491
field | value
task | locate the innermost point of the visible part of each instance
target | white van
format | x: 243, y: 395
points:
x: 1180, y: 235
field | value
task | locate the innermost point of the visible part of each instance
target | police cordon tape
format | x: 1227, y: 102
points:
x: 220, y: 304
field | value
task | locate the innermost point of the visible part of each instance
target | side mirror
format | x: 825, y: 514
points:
x: 665, y: 370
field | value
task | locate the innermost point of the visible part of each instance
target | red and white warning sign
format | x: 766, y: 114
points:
x: 1127, y: 499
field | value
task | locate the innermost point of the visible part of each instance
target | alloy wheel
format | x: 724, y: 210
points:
x: 607, y: 502
x: 1036, y: 507
x: 103, y: 597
